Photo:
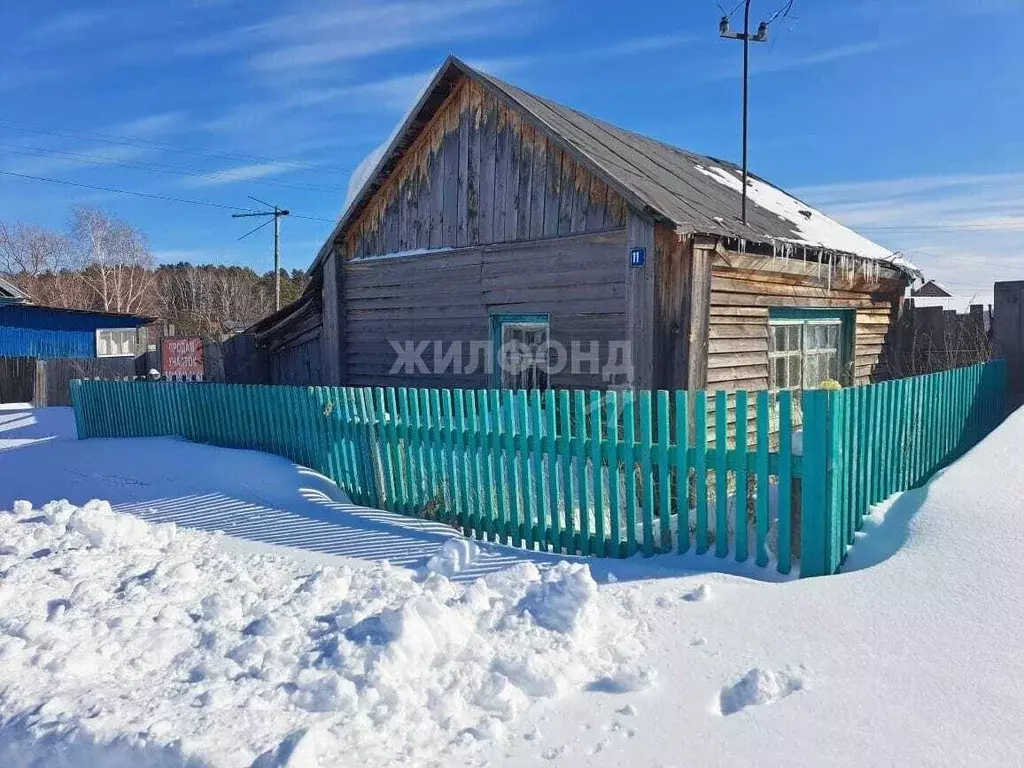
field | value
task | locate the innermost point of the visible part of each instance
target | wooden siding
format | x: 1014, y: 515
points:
x: 295, y: 354
x: 333, y: 321
x: 672, y: 319
x: 450, y: 296
x: 477, y: 174
x: 745, y: 287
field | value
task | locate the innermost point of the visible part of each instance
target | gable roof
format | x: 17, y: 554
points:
x: 11, y: 294
x: 933, y: 289
x: 696, y: 193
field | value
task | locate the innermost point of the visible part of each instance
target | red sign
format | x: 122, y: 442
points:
x: 182, y: 359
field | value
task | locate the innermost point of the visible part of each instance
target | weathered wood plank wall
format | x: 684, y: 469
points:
x: 296, y: 350
x: 478, y: 174
x: 744, y: 287
x: 244, y: 362
x: 579, y: 282
x: 330, y: 337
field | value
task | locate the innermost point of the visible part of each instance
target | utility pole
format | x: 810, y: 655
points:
x: 760, y: 37
x: 277, y: 213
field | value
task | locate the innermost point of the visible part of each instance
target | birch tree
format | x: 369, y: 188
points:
x: 115, y: 260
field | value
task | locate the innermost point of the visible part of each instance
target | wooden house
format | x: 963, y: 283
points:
x: 494, y: 215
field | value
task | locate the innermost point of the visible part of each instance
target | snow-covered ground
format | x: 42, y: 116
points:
x: 131, y: 644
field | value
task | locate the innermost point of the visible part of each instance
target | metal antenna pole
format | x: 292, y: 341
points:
x: 747, y: 38
x: 277, y: 259
x: 746, y: 90
x: 277, y: 213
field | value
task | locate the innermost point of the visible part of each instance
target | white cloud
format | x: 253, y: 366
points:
x: 766, y: 63
x: 65, y: 26
x: 323, y: 34
x: 965, y: 230
x: 241, y: 173
x: 639, y: 45
x: 157, y: 124
x: 52, y: 160
x: 800, y: 61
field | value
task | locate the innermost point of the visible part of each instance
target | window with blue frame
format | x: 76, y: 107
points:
x: 520, y: 345
x: 808, y: 346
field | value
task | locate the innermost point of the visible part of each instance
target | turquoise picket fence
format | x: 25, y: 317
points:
x: 605, y: 474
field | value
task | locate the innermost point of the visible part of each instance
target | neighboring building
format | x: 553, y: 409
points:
x: 11, y: 294
x: 935, y: 294
x: 292, y: 338
x: 496, y: 215
x: 27, y: 330
x: 932, y: 289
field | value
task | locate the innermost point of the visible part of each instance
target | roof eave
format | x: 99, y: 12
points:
x: 908, y: 272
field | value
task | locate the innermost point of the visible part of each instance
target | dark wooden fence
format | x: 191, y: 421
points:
x: 1008, y: 335
x: 932, y: 339
x: 17, y: 379
x: 47, y: 382
x: 242, y: 361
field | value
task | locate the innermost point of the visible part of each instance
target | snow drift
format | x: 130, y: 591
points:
x: 123, y: 642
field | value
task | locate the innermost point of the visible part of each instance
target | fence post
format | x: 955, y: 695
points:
x: 816, y: 519
x: 76, y: 402
x: 39, y: 388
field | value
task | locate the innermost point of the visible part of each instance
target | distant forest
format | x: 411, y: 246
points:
x: 104, y: 263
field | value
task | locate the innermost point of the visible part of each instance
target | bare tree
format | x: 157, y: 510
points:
x: 41, y: 262
x: 115, y: 259
x: 105, y: 263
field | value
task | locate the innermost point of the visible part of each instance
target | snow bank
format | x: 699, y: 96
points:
x: 909, y: 658
x: 127, y: 643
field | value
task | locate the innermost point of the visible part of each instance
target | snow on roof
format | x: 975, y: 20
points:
x: 362, y: 173
x: 697, y: 193
x: 815, y: 228
x: 367, y: 167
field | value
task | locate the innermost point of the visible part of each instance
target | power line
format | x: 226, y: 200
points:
x: 782, y: 13
x: 730, y: 14
x: 148, y: 195
x: 153, y: 166
x: 947, y: 228
x: 136, y: 141
x: 949, y: 257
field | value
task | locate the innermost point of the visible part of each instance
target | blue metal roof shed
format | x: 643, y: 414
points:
x: 27, y: 330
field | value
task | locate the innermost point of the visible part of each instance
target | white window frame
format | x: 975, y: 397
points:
x: 802, y: 353
x: 508, y: 379
x: 127, y: 342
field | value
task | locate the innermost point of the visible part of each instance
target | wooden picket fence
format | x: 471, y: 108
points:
x: 605, y: 474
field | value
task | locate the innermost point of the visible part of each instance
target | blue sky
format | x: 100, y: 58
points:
x: 902, y: 118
